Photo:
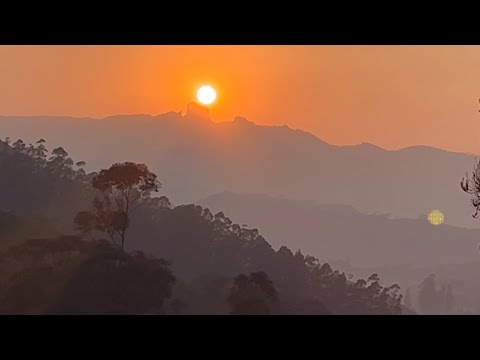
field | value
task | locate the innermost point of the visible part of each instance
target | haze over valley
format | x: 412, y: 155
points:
x: 239, y: 180
x: 196, y: 157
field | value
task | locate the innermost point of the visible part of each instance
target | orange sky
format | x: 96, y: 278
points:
x: 392, y: 96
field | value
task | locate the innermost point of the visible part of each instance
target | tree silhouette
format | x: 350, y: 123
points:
x: 40, y: 182
x: 200, y: 243
x: 428, y: 299
x: 121, y: 189
x: 177, y: 306
x: 67, y: 275
x: 408, y: 300
x: 252, y: 295
x: 471, y: 185
x: 449, y: 299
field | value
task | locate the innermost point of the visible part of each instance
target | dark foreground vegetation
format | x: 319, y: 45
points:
x: 106, y: 243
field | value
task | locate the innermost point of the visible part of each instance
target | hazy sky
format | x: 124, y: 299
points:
x: 392, y: 96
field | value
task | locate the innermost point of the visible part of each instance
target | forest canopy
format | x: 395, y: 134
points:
x: 106, y: 243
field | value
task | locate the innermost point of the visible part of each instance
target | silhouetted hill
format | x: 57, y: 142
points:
x: 340, y: 232
x: 206, y: 251
x: 463, y: 278
x: 196, y: 157
x: 37, y: 183
x: 66, y: 275
x: 14, y: 228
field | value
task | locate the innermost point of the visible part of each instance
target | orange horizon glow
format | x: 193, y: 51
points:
x: 391, y: 96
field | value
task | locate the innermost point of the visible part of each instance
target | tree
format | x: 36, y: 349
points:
x: 428, y: 300
x: 471, y: 185
x: 39, y: 182
x: 177, y: 306
x: 408, y: 300
x: 121, y: 189
x: 252, y: 295
x: 67, y: 275
x: 449, y: 299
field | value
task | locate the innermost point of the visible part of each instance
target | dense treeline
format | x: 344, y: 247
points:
x: 34, y: 181
x: 111, y: 261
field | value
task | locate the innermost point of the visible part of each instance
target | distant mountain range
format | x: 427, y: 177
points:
x: 195, y: 157
x: 338, y: 232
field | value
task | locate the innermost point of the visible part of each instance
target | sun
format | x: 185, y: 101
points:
x: 206, y: 94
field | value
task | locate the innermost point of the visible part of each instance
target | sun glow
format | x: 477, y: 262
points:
x: 206, y: 94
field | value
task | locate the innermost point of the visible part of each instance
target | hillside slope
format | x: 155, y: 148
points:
x: 196, y: 157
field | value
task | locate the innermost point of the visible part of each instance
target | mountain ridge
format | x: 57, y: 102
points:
x: 198, y: 158
x: 236, y: 119
x: 334, y: 232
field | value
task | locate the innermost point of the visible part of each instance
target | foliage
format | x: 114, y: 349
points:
x: 471, y: 185
x: 14, y: 228
x: 252, y: 294
x: 408, y: 300
x: 199, y: 242
x: 67, y: 275
x: 208, y: 251
x: 121, y: 189
x: 433, y: 301
x: 39, y: 183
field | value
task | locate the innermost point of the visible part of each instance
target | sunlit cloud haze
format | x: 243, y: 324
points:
x: 392, y: 96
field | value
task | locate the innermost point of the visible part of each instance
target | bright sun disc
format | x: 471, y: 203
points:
x: 206, y: 95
